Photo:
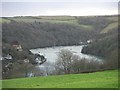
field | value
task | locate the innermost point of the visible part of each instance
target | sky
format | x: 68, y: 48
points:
x: 12, y: 8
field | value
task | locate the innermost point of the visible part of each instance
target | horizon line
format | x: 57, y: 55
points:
x: 57, y: 15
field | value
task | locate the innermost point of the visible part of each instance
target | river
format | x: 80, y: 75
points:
x: 51, y: 53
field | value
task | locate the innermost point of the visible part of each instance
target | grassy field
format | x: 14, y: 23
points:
x: 54, y: 20
x: 110, y: 27
x: 103, y: 79
x: 4, y: 20
x: 70, y: 20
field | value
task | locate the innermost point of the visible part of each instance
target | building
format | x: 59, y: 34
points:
x: 17, y: 46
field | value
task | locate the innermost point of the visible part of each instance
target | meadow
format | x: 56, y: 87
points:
x: 102, y: 79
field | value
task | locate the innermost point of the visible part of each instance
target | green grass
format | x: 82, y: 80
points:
x: 104, y: 79
x: 113, y: 19
x: 52, y: 19
x: 2, y: 20
x: 56, y: 17
x: 0, y: 84
x: 110, y: 27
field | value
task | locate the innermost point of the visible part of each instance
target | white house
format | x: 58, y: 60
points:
x: 89, y: 41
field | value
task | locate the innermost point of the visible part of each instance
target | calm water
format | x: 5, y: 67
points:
x: 51, y: 53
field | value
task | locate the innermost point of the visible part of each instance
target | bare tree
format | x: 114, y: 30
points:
x: 68, y: 63
x: 65, y: 59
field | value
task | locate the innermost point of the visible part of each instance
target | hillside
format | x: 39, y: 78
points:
x: 103, y: 46
x: 106, y: 43
x: 110, y: 27
x: 25, y: 30
x: 104, y: 79
x: 41, y: 31
x: 47, y: 31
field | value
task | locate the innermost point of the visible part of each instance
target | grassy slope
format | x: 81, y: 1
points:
x: 104, y: 79
x: 2, y: 20
x: 110, y: 27
x: 62, y: 19
x: 59, y: 20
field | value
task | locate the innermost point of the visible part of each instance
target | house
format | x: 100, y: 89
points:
x: 17, y: 46
x: 89, y: 41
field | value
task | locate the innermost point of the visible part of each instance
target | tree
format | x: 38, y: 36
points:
x: 65, y: 60
x: 112, y: 60
x: 68, y: 63
x: 18, y: 70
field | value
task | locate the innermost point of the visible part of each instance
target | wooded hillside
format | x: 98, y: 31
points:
x: 33, y: 32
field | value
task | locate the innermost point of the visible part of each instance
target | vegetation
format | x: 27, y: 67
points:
x: 48, y: 34
x: 54, y: 31
x: 104, y: 79
x: 20, y: 64
x: 103, y: 46
x: 68, y: 63
x: 110, y: 27
x: 106, y: 42
x: 33, y: 32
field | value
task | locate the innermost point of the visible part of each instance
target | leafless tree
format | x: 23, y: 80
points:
x: 65, y: 59
x: 68, y: 63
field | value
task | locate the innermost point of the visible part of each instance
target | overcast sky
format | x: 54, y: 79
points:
x: 54, y: 7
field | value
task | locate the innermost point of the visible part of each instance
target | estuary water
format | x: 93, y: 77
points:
x: 51, y: 53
